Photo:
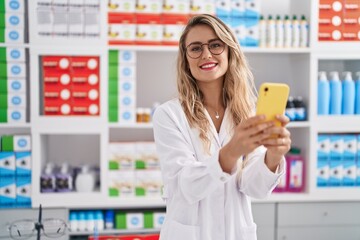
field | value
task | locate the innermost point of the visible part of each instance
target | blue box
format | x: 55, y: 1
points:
x: 239, y: 28
x: 358, y: 161
x: 223, y: 8
x: 252, y: 37
x: 349, y: 160
x: 238, y: 8
x: 7, y: 164
x: 7, y: 192
x: 23, y: 164
x: 252, y: 9
x: 23, y: 192
x: 336, y: 160
x: 323, y: 157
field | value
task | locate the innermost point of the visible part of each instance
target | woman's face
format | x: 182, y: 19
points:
x: 208, y: 67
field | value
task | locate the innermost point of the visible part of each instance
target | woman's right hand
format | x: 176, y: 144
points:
x: 248, y: 135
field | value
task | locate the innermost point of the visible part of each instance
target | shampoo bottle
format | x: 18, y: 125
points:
x: 290, y: 109
x: 300, y: 109
x: 335, y: 93
x: 47, y: 179
x: 262, y: 31
x: 304, y: 32
x: 357, y: 94
x: 85, y: 180
x: 323, y: 102
x: 271, y: 34
x: 287, y: 32
x: 296, y: 170
x: 64, y: 180
x: 348, y: 89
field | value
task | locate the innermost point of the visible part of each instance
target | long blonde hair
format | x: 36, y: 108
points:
x: 239, y: 91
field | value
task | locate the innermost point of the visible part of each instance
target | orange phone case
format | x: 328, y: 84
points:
x: 272, y: 100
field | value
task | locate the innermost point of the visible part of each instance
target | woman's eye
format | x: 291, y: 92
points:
x: 215, y: 45
x: 196, y: 49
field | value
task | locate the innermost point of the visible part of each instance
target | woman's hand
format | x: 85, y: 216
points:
x: 248, y: 135
x: 277, y: 147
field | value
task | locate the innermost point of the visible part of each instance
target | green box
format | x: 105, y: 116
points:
x: 2, y: 20
x: 3, y: 115
x: 113, y: 57
x: 2, y: 35
x: 113, y: 101
x: 113, y: 192
x: 4, y: 101
x: 7, y: 143
x: 113, y: 165
x: 3, y: 86
x: 3, y: 54
x: 113, y: 115
x: 148, y: 220
x: 3, y: 69
x: 113, y: 72
x: 139, y: 191
x: 120, y: 220
x: 113, y: 86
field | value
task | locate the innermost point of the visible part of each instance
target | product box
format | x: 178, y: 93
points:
x: 176, y: 7
x: 330, y: 20
x: 323, y: 160
x: 126, y: 56
x: 149, y: 30
x: 85, y: 63
x: 121, y: 29
x: 11, y: 54
x: 12, y: 86
x: 76, y: 22
x: 252, y: 9
x: 146, y: 156
x: 127, y: 101
x: 113, y: 115
x: 7, y: 163
x: 238, y: 8
x: 149, y: 6
x: 13, y: 115
x: 12, y: 6
x: 85, y: 108
x: 16, y: 143
x: 56, y: 63
x: 127, y: 115
x: 127, y: 71
x: 336, y: 160
x: 122, y: 6
x: 148, y: 183
x: 349, y: 160
x: 358, y: 161
x: 13, y: 100
x: 7, y: 192
x: 11, y: 35
x: 202, y: 6
x: 121, y: 184
x: 223, y: 8
x: 127, y: 86
x: 80, y: 77
x: 158, y: 219
x: 23, y: 164
x: 252, y: 37
x: 129, y: 220
x: 12, y: 20
x: 122, y: 156
x: 173, y: 28
x: 239, y: 28
x: 23, y: 191
x: 12, y: 70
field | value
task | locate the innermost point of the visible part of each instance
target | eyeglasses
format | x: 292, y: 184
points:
x: 26, y: 228
x: 194, y: 50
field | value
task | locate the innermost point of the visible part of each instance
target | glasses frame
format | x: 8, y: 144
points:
x: 202, y: 49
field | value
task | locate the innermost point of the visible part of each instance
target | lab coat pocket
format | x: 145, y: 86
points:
x: 179, y: 231
x: 247, y: 233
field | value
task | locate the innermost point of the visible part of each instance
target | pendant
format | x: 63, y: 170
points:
x: 217, y: 115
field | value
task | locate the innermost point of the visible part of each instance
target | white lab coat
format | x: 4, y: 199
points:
x: 202, y: 201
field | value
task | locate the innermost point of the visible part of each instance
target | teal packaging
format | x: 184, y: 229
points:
x: 323, y: 157
x: 223, y: 8
x: 348, y: 99
x: 23, y: 164
x: 23, y: 192
x: 7, y: 164
x: 323, y: 101
x: 357, y: 94
x: 238, y: 8
x: 252, y: 9
x: 335, y: 94
x: 358, y: 161
x: 336, y: 160
x: 7, y: 192
x: 252, y: 37
x: 349, y: 160
x: 239, y: 28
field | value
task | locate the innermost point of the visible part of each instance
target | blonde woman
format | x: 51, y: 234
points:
x: 215, y: 154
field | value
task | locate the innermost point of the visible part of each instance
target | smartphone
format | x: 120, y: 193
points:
x: 272, y: 100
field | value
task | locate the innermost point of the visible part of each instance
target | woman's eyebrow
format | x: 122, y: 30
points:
x: 198, y: 42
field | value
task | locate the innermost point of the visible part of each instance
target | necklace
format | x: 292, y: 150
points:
x: 217, y: 116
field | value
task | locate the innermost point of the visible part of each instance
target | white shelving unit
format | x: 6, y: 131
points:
x: 156, y: 74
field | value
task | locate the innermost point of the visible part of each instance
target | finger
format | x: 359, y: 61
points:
x: 260, y: 128
x: 280, y: 131
x: 284, y: 120
x: 283, y: 141
x: 253, y: 121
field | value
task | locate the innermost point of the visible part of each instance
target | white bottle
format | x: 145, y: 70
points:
x: 304, y: 32
x: 85, y: 180
x: 295, y: 32
x: 99, y: 220
x: 287, y: 32
x: 262, y: 31
x: 279, y: 32
x: 271, y: 35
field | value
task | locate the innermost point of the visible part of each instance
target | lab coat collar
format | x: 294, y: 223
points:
x: 222, y: 137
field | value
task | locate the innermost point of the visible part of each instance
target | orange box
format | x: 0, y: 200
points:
x: 329, y: 33
x: 352, y: 6
x: 85, y: 109
x: 59, y: 63
x: 351, y: 33
x: 88, y: 63
x: 84, y: 77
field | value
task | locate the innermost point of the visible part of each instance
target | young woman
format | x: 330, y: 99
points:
x: 215, y: 154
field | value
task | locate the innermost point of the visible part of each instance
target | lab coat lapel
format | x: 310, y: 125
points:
x: 213, y: 129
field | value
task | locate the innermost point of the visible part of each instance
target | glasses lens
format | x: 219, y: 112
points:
x: 22, y: 230
x: 194, y: 50
x: 216, y: 47
x: 54, y: 227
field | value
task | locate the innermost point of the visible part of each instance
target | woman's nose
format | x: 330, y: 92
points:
x: 206, y: 53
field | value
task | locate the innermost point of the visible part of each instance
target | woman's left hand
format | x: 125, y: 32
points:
x: 277, y: 147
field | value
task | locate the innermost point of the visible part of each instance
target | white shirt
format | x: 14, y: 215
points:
x: 202, y: 201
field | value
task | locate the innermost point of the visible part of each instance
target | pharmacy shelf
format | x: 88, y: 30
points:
x: 115, y: 232
x: 338, y: 124
x: 133, y: 125
x: 302, y: 124
x: 15, y: 125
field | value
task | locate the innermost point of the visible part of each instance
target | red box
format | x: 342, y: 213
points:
x: 85, y: 108
x: 85, y: 63
x: 58, y: 63
x: 85, y: 78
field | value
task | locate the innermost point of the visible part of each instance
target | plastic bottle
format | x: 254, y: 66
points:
x: 64, y: 180
x: 85, y: 180
x: 81, y: 221
x: 304, y: 32
x: 47, y: 179
x: 296, y: 170
x: 99, y: 220
x: 287, y: 32
x: 348, y: 89
x: 73, y: 219
x: 335, y: 93
x: 279, y: 41
x: 262, y: 31
x: 109, y: 219
x: 323, y: 93
x: 290, y: 109
x: 295, y: 32
x: 357, y: 93
x: 90, y: 221
x: 271, y: 35
x: 300, y: 109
